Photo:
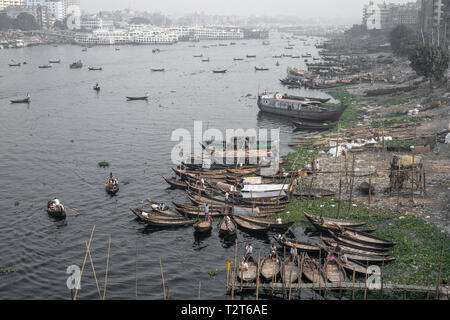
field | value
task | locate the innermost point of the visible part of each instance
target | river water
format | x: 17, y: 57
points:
x: 51, y: 148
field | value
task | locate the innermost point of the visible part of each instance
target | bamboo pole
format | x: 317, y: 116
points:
x: 162, y: 277
x: 326, y: 280
x: 84, y: 262
x: 107, y: 266
x: 93, y: 269
x: 381, y: 279
x: 257, y: 278
x: 353, y: 288
x: 440, y: 268
x: 404, y: 283
x: 351, y: 184
x: 234, y: 270
x: 339, y: 199
x: 428, y: 285
x: 199, y: 288
x: 136, y: 268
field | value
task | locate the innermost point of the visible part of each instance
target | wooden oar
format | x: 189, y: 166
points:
x: 73, y: 210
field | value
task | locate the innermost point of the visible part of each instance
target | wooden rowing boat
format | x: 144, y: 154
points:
x: 249, y: 226
x: 289, y: 272
x: 354, y: 266
x: 227, y: 227
x: 300, y: 246
x: 203, y: 226
x: 141, y: 213
x: 158, y: 70
x: 334, y: 273
x: 336, y: 222
x: 330, y: 242
x: 220, y: 71
x: 250, y: 274
x: 112, y: 189
x: 26, y: 100
x: 365, y: 238
x: 137, y: 98
x: 311, y: 270
x: 164, y: 210
x: 357, y: 245
x: 175, y: 184
x: 95, y: 68
x: 270, y: 268
x: 273, y: 224
x: 162, y: 221
x: 310, y: 126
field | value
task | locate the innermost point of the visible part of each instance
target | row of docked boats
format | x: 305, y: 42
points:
x: 290, y: 270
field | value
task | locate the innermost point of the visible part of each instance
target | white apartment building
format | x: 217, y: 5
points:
x: 56, y: 7
x: 94, y: 23
x: 7, y: 3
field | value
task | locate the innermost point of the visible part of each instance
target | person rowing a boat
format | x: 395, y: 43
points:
x: 55, y: 205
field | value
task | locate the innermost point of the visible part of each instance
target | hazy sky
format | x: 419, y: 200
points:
x: 348, y: 9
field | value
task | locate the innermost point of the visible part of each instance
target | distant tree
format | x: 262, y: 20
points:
x: 430, y: 61
x: 5, y: 22
x: 25, y: 21
x: 60, y: 25
x: 403, y: 40
x: 139, y: 20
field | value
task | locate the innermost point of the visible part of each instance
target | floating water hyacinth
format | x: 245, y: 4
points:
x: 103, y: 164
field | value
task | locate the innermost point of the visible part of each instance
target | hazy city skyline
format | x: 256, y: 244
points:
x: 348, y: 10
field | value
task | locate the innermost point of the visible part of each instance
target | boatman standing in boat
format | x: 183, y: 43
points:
x: 207, y: 217
x: 248, y: 251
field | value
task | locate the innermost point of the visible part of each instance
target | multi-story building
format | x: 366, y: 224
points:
x: 8, y: 3
x: 434, y: 21
x: 95, y: 22
x: 56, y: 7
x: 42, y: 14
x: 384, y: 16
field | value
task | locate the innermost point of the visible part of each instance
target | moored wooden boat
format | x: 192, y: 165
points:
x: 220, y: 71
x: 175, y: 184
x: 95, y: 68
x: 300, y: 246
x: 261, y: 69
x: 54, y: 61
x: 278, y: 224
x: 250, y: 227
x: 227, y: 227
x: 365, y: 238
x: 347, y: 249
x: 45, y: 66
x: 14, y: 64
x: 250, y: 274
x: 270, y: 268
x: 354, y: 266
x: 331, y: 222
x: 289, y: 272
x: 301, y: 125
x: 311, y: 270
x: 203, y: 226
x: 334, y: 273
x: 158, y: 70
x: 163, y: 221
x: 357, y: 245
x: 141, y: 213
